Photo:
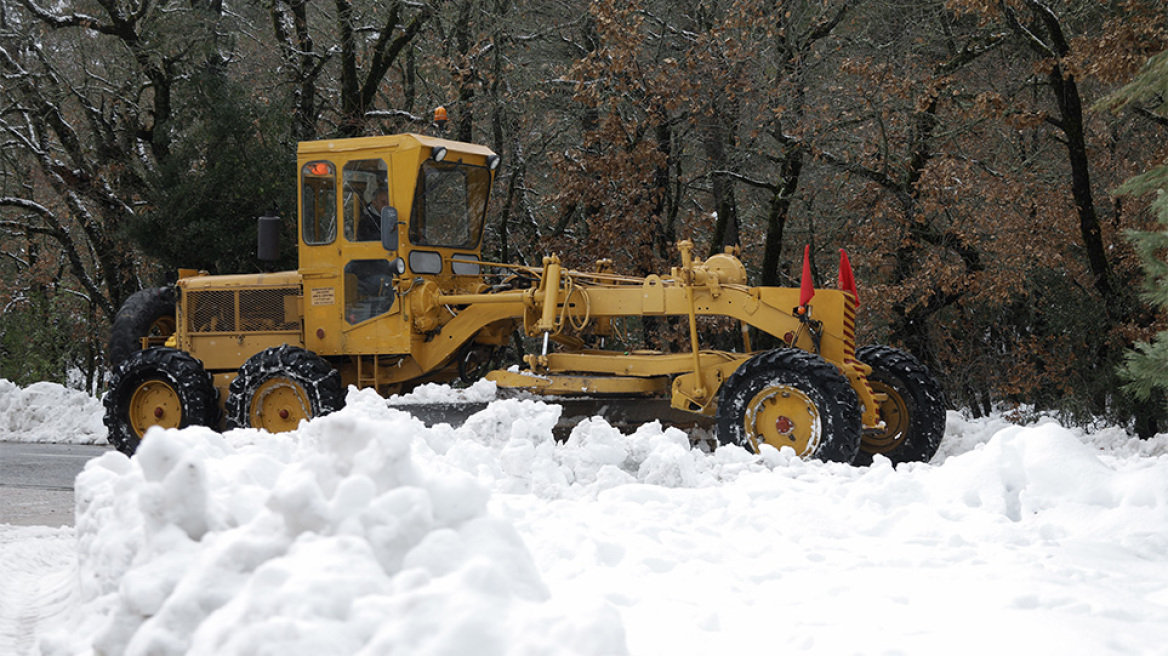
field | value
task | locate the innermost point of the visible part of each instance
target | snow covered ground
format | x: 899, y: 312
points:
x: 366, y: 532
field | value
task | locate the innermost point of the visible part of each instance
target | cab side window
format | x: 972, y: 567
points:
x: 365, y: 185
x: 318, y: 202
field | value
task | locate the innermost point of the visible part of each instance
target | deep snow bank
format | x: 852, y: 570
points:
x: 47, y: 412
x: 366, y: 532
x: 329, y: 540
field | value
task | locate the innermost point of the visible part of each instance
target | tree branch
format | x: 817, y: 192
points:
x: 56, y: 21
x: 1158, y: 119
x: 1031, y: 38
x: 760, y: 184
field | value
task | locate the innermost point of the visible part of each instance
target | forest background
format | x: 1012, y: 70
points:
x: 966, y: 153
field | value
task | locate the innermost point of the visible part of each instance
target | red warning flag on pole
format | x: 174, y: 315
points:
x: 806, y: 288
x: 847, y: 279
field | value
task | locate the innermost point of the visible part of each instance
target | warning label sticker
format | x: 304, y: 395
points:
x: 324, y: 296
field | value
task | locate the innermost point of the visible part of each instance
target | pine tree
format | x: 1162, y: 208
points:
x: 1145, y: 366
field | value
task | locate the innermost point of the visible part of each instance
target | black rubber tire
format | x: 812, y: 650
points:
x: 319, y: 383
x: 819, y: 381
x: 916, y: 407
x: 474, y: 361
x: 139, y: 317
x: 190, y: 385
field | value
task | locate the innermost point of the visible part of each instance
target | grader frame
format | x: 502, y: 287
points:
x: 410, y: 303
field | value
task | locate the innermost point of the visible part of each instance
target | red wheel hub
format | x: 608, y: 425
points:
x: 784, y: 425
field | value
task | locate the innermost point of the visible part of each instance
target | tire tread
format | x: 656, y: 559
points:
x: 840, y: 416
x: 319, y: 378
x: 195, y: 387
x: 134, y: 319
x: 927, y: 422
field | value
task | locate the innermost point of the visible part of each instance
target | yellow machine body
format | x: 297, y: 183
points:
x: 409, y: 305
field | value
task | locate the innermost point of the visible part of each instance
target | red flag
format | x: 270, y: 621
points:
x: 806, y: 288
x: 847, y: 279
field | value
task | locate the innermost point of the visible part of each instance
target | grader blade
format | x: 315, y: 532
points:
x: 625, y: 415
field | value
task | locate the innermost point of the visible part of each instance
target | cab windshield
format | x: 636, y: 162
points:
x: 449, y: 205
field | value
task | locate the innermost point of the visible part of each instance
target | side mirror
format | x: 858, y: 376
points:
x: 268, y: 238
x: 389, y: 228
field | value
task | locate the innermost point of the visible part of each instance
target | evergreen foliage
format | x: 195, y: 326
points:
x: 44, y: 338
x: 230, y: 165
x: 1146, y: 366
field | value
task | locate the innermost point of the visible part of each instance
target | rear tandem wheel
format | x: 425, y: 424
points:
x: 279, y: 386
x: 157, y: 386
x: 147, y: 312
x: 913, y: 412
x: 792, y: 398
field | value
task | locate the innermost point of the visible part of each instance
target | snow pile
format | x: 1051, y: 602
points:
x: 509, y: 447
x: 1030, y: 543
x: 328, y: 540
x: 962, y: 435
x: 481, y: 391
x: 47, y: 412
x: 365, y: 532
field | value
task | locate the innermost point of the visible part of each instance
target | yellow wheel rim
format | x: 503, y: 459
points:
x: 894, y: 412
x: 278, y: 405
x: 782, y: 415
x: 162, y: 327
x: 154, y: 403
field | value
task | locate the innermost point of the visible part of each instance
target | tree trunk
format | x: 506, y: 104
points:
x: 464, y: 73
x: 790, y: 168
x: 717, y: 138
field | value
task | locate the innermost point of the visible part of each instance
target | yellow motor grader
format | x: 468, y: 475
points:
x: 391, y: 291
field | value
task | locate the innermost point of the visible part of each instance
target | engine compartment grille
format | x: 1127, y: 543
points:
x: 241, y: 310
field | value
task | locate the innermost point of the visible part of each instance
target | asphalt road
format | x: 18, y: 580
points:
x: 36, y: 481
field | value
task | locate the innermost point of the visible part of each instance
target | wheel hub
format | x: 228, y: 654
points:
x: 278, y: 405
x: 154, y: 403
x: 784, y: 425
x: 896, y: 416
x: 784, y: 415
x: 162, y: 327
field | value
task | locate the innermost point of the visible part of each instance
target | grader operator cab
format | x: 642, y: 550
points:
x: 391, y: 291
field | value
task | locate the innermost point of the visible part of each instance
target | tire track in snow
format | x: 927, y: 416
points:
x: 38, y: 584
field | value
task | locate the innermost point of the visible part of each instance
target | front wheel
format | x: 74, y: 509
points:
x: 913, y: 409
x: 157, y: 386
x: 790, y: 398
x: 279, y: 386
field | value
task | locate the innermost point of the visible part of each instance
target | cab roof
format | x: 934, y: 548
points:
x: 404, y: 142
